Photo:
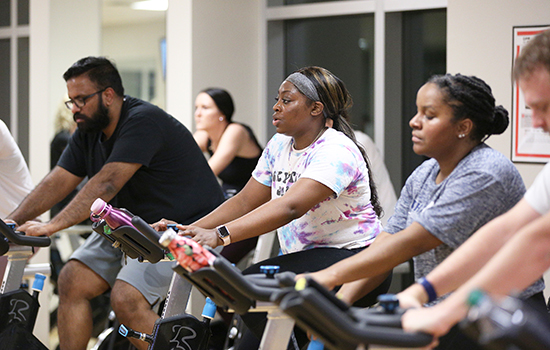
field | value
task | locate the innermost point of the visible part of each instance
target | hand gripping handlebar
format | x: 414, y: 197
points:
x: 7, y: 235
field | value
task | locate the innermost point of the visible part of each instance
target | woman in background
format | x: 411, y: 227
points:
x: 233, y: 149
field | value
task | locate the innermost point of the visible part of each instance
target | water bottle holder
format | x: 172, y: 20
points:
x: 131, y: 242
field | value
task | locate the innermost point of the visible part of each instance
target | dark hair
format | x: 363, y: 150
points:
x: 223, y: 101
x: 100, y: 71
x: 535, y: 54
x: 337, y: 101
x: 471, y: 98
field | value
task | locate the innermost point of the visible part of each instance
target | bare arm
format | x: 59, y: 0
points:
x: 105, y: 184
x: 253, y: 195
x: 301, y: 197
x: 475, y: 252
x: 353, y: 291
x: 386, y: 252
x: 53, y: 188
x: 201, y: 138
x: 233, y: 139
x: 520, y: 262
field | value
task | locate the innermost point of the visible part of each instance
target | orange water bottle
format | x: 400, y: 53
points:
x: 189, y: 254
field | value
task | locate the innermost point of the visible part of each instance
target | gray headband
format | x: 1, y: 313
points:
x: 304, y: 85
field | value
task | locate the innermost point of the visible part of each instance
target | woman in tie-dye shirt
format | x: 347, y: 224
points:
x: 344, y: 219
x: 312, y: 184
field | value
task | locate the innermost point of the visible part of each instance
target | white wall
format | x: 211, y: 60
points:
x: 75, y: 32
x: 137, y: 47
x: 226, y: 53
x: 219, y: 47
x: 179, y: 63
x: 479, y: 42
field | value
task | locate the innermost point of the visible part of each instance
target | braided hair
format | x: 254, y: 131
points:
x: 337, y: 101
x: 471, y: 98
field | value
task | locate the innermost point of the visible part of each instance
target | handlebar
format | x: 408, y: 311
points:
x: 20, y: 239
x: 314, y: 308
x: 256, y: 287
x: 147, y: 231
x: 222, y: 282
x: 507, y: 322
x: 229, y: 288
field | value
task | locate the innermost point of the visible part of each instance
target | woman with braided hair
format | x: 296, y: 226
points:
x: 511, y: 251
x: 446, y: 199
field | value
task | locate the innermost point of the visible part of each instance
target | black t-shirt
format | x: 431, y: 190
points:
x: 175, y: 181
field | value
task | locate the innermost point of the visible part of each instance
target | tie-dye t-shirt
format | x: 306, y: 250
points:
x: 346, y: 219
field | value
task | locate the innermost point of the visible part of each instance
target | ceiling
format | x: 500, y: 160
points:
x: 117, y: 12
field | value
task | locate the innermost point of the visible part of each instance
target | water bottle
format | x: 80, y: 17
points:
x: 114, y: 217
x: 37, y: 287
x: 189, y: 254
x: 208, y: 311
x: 315, y: 344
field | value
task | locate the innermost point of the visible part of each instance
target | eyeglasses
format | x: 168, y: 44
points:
x: 81, y: 102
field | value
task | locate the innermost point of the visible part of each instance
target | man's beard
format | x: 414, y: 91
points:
x: 99, y: 120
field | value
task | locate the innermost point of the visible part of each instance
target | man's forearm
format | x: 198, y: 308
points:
x: 78, y: 208
x: 51, y: 190
x: 469, y: 258
x: 519, y: 263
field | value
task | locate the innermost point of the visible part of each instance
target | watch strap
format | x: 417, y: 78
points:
x: 224, y: 234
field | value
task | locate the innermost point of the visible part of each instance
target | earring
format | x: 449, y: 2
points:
x: 221, y: 119
x: 461, y: 136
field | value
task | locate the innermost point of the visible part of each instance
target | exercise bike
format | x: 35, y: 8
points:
x: 507, y: 324
x: 339, y: 326
x: 174, y: 329
x: 230, y: 290
x: 17, y: 307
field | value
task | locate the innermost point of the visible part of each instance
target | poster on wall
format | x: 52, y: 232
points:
x: 528, y: 144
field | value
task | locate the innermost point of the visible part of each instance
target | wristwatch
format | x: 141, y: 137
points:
x: 224, y: 234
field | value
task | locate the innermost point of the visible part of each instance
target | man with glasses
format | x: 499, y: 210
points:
x: 136, y: 156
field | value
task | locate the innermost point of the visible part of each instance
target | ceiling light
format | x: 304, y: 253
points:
x: 150, y: 5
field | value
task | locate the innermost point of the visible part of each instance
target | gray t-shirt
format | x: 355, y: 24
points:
x: 484, y: 185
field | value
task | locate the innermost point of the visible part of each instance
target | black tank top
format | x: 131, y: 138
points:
x: 235, y: 176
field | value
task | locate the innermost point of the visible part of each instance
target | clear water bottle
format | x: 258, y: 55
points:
x: 114, y: 217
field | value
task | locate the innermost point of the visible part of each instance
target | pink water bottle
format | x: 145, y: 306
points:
x: 189, y: 254
x: 114, y: 217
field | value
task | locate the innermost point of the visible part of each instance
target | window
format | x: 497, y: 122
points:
x: 14, y: 70
x: 382, y: 50
x: 345, y: 46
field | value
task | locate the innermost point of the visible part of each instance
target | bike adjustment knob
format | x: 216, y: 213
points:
x: 269, y: 270
x: 388, y: 302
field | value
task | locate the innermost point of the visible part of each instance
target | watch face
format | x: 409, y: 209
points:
x: 222, y: 231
